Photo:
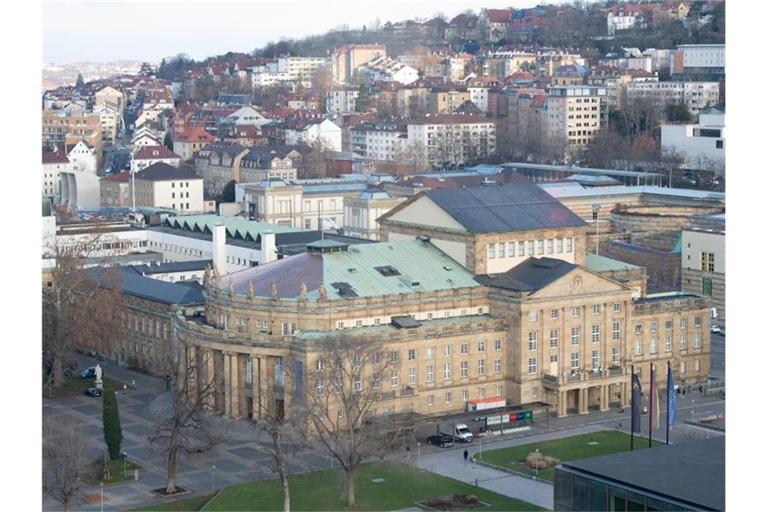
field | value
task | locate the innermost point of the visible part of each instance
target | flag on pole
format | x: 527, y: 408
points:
x: 672, y: 400
x: 329, y: 223
x: 637, y: 403
x: 656, y: 398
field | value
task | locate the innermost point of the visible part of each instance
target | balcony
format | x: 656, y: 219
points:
x: 569, y: 380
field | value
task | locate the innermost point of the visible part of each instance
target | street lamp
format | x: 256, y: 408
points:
x: 213, y: 479
x: 102, y: 496
x: 596, y: 218
x: 418, y: 454
x: 125, y: 466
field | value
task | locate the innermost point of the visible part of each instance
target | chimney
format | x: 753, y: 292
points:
x: 219, y: 248
x: 268, y: 248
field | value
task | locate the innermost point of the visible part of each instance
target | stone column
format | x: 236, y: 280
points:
x: 234, y: 381
x: 227, y: 385
x: 605, y: 400
x: 192, y: 378
x: 583, y: 400
x: 562, y: 404
x: 209, y: 379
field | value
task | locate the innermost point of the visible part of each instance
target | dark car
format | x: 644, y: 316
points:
x: 88, y: 373
x: 93, y: 392
x: 442, y: 441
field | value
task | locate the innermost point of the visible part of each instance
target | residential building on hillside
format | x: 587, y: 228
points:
x: 341, y: 99
x: 380, y: 140
x: 163, y: 186
x: 83, y: 157
x: 441, y: 101
x: 698, y: 59
x: 348, y: 58
x: 453, y: 140
x: 573, y: 115
x: 695, y: 95
x: 187, y: 143
x: 218, y: 163
x: 386, y: 69
x: 267, y: 163
x: 115, y: 190
x: 307, y: 132
x: 60, y: 128
x: 54, y: 163
x: 149, y: 155
x: 301, y: 69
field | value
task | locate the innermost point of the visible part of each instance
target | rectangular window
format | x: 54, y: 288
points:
x: 707, y: 261
x: 596, y: 309
x: 559, y: 246
x: 682, y: 366
x: 667, y: 343
x: 696, y: 365
x: 430, y: 352
x: 697, y: 340
x: 616, y: 331
x: 447, y: 371
x: 430, y: 374
x: 638, y: 346
x: 575, y: 334
x: 569, y: 245
x: 481, y: 346
x: 497, y: 345
x: 481, y: 392
x: 531, y: 365
x: 465, y: 395
x: 550, y: 246
x: 595, y: 333
x: 553, y: 358
x: 638, y: 328
x: 668, y: 325
x: 595, y: 359
x: 697, y: 322
x: 497, y: 366
x: 447, y: 350
x: 575, y: 312
x: 706, y: 286
x: 448, y: 397
x: 411, y: 376
x: 500, y: 390
x: 615, y: 355
x: 511, y: 252
x: 531, y: 247
x: 617, y: 307
x: 653, y: 327
x: 502, y: 245
x: 464, y: 368
x: 394, y: 356
x: 481, y: 367
x: 683, y: 324
x: 521, y: 248
x: 554, y: 335
x: 574, y: 360
x: 464, y: 349
x: 533, y: 316
x: 654, y: 348
x: 430, y: 400
x: 555, y: 314
x: 683, y: 341
x: 412, y: 354
x: 533, y: 340
x: 394, y: 378
x: 540, y: 247
x: 491, y: 251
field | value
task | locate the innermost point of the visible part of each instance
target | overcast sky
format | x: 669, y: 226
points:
x: 135, y: 30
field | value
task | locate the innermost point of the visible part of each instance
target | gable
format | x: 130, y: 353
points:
x: 579, y: 282
x: 425, y: 212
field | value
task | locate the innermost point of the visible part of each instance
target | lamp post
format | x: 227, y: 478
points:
x: 102, y: 495
x: 418, y: 454
x: 596, y: 218
x: 125, y: 466
x: 213, y: 479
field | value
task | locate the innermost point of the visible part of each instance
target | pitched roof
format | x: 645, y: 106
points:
x: 366, y: 270
x: 530, y: 275
x: 501, y: 209
x: 498, y: 15
x: 161, y: 171
x: 136, y: 285
x: 194, y: 134
x: 153, y: 153
x: 54, y: 157
x: 121, y: 177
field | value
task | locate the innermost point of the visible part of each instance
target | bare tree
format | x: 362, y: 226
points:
x: 63, y: 460
x: 313, y: 165
x: 341, y: 394
x: 285, y: 428
x: 80, y: 306
x: 183, y: 428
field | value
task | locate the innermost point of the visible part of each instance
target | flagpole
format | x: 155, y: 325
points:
x: 632, y: 408
x: 650, y: 408
x: 669, y: 369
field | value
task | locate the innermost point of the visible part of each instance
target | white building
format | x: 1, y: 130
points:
x: 380, y: 140
x: 620, y: 21
x: 80, y: 190
x: 149, y: 155
x: 361, y: 213
x: 702, y: 145
x: 246, y: 116
x: 163, y: 186
x: 572, y: 115
x: 301, y: 69
x: 268, y: 75
x: 452, y: 140
x: 388, y: 69
x: 54, y: 163
x: 698, y: 58
x: 696, y: 95
x: 326, y: 131
x: 83, y: 158
x: 341, y: 99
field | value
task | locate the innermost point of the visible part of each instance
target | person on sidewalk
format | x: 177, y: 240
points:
x: 466, y: 456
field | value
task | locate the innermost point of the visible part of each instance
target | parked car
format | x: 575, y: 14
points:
x: 88, y: 373
x: 442, y: 441
x: 93, y: 392
x: 716, y: 329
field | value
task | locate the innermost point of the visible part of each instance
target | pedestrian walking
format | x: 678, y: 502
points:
x: 466, y: 456
x: 407, y: 451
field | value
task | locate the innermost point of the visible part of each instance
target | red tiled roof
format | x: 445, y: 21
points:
x: 119, y: 178
x: 520, y: 75
x: 195, y: 134
x: 54, y: 157
x: 498, y: 15
x: 154, y: 153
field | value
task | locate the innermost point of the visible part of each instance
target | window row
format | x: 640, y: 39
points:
x: 530, y: 248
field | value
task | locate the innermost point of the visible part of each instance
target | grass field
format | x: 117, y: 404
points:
x: 77, y: 386
x: 119, y: 471
x: 567, y: 448
x: 321, y: 490
x: 188, y: 505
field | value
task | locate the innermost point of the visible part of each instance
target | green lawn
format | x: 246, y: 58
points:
x: 567, y: 448
x: 188, y: 505
x: 77, y: 386
x: 321, y: 490
x: 117, y: 472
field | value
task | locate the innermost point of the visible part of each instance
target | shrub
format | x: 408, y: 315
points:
x: 113, y: 432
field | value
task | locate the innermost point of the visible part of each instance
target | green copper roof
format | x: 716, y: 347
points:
x: 602, y: 264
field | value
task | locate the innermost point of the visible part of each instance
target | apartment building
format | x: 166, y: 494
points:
x: 163, y: 186
x: 301, y: 69
x: 54, y: 163
x: 445, y: 102
x: 452, y: 140
x: 698, y: 59
x: 386, y: 69
x: 66, y: 129
x: 348, y: 58
x: 189, y: 142
x: 361, y: 213
x: 380, y: 140
x: 149, y: 155
x: 341, y: 99
x: 696, y: 96
x: 702, y: 145
x: 573, y: 115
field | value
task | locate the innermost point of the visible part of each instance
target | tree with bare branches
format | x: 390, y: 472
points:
x: 80, y: 305
x: 348, y: 380
x: 63, y: 460
x: 183, y: 428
